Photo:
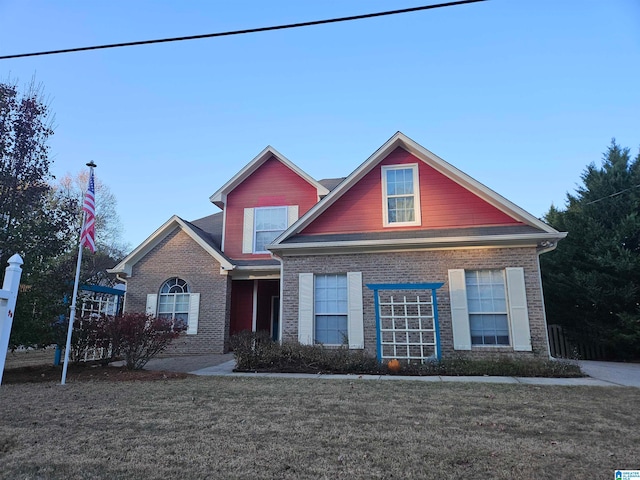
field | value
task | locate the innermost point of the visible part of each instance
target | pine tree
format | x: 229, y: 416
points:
x: 592, y: 280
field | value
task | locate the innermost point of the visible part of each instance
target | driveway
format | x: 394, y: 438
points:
x: 626, y: 374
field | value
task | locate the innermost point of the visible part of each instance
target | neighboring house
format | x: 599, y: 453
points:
x: 407, y: 258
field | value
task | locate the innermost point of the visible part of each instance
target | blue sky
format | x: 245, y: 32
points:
x: 519, y: 94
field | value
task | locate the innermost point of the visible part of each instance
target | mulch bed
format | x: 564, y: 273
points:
x: 84, y: 372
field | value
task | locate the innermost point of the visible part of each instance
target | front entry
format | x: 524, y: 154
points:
x: 252, y: 306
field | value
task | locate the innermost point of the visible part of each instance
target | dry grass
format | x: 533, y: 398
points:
x: 230, y: 427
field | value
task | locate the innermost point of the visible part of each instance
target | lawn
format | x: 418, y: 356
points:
x: 231, y: 427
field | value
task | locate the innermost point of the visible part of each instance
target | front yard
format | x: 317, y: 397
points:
x: 217, y: 427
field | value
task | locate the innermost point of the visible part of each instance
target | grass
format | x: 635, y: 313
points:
x: 230, y: 427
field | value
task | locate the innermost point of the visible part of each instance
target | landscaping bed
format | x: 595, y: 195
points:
x: 83, y: 373
x: 255, y: 352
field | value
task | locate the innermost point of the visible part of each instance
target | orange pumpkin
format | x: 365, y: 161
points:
x: 393, y: 365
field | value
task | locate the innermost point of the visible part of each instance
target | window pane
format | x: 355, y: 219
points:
x: 265, y: 238
x: 401, y: 209
x: 331, y: 329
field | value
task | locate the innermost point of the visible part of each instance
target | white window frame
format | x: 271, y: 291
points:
x: 255, y: 220
x: 249, y: 226
x: 416, y: 195
x: 504, y: 312
x: 153, y: 306
x: 306, y: 313
x: 344, y: 313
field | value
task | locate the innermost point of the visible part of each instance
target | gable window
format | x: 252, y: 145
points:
x: 400, y: 195
x: 487, y: 304
x: 270, y: 222
x: 331, y: 309
x: 176, y: 302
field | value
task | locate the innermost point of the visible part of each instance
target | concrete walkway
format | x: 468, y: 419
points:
x: 609, y: 375
x: 601, y: 374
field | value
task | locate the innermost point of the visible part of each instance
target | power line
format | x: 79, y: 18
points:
x: 612, y: 195
x: 242, y: 32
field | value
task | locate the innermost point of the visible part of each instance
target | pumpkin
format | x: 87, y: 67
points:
x: 393, y: 365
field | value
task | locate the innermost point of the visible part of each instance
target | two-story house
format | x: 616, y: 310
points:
x: 407, y: 258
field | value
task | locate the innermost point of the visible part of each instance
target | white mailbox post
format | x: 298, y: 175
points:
x: 8, y: 297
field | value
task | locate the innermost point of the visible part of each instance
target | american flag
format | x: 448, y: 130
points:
x: 88, y: 235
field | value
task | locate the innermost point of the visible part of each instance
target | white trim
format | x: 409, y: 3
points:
x: 194, y: 310
x: 518, y: 311
x: 305, y: 308
x: 152, y: 304
x: 219, y: 197
x: 355, y: 318
x: 416, y: 195
x: 512, y: 240
x: 461, y: 178
x: 255, y: 230
x: 292, y: 215
x: 224, y: 229
x: 459, y: 310
x: 126, y: 265
x: 248, y: 228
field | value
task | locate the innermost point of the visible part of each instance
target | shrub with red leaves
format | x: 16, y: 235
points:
x: 138, y: 337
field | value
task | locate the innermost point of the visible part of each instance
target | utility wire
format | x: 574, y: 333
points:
x: 612, y: 195
x: 242, y: 32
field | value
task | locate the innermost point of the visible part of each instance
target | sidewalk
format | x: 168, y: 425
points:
x: 226, y: 369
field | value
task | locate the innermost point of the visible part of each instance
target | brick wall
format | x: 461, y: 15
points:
x: 421, y: 267
x: 179, y: 256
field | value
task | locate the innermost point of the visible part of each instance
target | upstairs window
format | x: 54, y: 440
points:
x: 262, y: 225
x: 400, y: 195
x: 270, y: 223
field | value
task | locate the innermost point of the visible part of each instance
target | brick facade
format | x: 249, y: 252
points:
x: 178, y: 255
x: 422, y: 267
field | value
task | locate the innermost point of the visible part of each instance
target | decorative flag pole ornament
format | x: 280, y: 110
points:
x: 87, y: 239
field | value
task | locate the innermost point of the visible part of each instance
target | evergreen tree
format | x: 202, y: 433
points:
x: 592, y: 280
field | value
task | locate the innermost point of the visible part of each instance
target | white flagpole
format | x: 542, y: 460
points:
x: 72, y: 314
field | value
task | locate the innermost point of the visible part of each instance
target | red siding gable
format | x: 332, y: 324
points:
x: 271, y: 184
x: 443, y: 203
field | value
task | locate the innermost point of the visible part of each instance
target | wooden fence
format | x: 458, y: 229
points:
x: 565, y: 343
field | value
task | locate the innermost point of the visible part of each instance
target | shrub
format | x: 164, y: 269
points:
x: 138, y: 337
x: 257, y: 352
x: 135, y: 337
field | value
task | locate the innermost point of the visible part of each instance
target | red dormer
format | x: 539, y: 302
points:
x: 261, y: 201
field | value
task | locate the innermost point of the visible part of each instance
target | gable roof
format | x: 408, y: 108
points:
x: 288, y: 239
x: 206, y: 239
x: 219, y: 198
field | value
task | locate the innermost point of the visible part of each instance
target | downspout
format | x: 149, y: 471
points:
x: 281, y: 300
x: 545, y: 247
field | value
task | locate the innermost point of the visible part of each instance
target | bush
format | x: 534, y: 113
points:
x: 135, y: 337
x: 258, y: 352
